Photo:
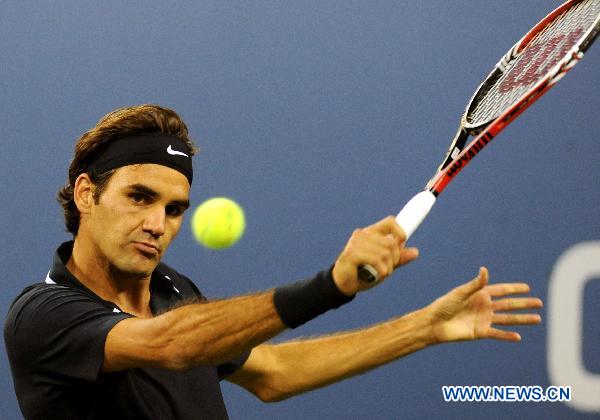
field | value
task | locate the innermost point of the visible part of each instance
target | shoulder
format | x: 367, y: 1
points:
x: 45, y: 306
x: 57, y: 331
x: 40, y: 296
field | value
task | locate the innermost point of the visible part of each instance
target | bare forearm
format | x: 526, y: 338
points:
x: 195, y: 334
x: 322, y: 361
x: 210, y: 333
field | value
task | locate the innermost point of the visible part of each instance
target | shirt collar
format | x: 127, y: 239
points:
x: 162, y: 287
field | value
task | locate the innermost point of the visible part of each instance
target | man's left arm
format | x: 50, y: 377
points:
x: 277, y: 371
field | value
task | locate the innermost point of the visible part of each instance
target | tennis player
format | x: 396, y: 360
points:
x: 112, y: 332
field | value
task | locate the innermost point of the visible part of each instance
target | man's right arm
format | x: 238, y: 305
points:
x: 197, y: 334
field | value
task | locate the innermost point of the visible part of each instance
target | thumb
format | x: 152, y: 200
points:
x: 476, y: 284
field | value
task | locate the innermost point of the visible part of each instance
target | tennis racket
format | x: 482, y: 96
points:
x: 527, y: 71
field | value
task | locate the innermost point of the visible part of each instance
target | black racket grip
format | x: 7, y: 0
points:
x: 367, y: 274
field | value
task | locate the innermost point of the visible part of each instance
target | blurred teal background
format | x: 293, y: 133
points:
x: 319, y: 117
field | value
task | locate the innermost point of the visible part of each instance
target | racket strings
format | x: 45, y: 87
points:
x: 539, y: 57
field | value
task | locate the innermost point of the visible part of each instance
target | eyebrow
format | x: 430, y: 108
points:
x: 141, y: 188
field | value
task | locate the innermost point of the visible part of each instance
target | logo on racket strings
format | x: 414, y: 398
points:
x: 527, y: 68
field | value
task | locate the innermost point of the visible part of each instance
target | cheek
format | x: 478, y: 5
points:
x: 173, y: 228
x: 113, y: 222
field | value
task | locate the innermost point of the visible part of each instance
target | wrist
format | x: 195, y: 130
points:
x: 426, y: 315
x: 302, y: 301
x: 345, y: 286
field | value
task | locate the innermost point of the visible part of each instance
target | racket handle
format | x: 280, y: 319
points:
x: 409, y: 219
x: 415, y: 211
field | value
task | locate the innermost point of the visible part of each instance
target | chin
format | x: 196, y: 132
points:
x: 144, y: 269
x: 138, y: 268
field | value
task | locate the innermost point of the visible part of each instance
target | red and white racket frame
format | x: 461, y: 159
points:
x: 417, y: 208
x: 490, y: 130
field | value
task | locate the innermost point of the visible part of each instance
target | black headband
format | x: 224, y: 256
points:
x: 159, y: 148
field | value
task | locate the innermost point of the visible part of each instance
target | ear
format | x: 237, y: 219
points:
x: 83, y: 193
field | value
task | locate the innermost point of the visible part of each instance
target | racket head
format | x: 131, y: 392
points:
x: 525, y: 73
x: 549, y: 47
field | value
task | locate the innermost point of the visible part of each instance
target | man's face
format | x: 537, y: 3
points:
x: 137, y: 216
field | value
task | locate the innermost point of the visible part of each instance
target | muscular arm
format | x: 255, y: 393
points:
x: 468, y: 312
x: 276, y: 372
x: 197, y: 334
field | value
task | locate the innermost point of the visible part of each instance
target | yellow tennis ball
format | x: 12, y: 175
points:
x: 218, y: 223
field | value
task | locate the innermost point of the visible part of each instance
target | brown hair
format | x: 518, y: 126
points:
x: 147, y: 118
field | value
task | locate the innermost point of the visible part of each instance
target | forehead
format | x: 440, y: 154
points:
x: 162, y: 179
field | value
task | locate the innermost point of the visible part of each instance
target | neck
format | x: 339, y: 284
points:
x: 129, y: 291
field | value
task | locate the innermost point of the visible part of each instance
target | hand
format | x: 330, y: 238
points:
x: 380, y: 245
x: 468, y: 311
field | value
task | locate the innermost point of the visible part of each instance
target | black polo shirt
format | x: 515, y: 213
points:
x: 55, y: 334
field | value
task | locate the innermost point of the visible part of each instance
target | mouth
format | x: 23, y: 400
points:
x: 147, y: 248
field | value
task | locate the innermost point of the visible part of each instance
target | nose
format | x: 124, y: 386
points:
x: 154, y: 222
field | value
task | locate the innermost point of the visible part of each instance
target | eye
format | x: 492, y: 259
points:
x: 138, y: 197
x: 173, y: 210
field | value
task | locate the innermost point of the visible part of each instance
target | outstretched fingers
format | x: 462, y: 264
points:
x: 516, y: 319
x: 512, y: 304
x: 503, y: 335
x: 511, y: 319
x: 504, y: 289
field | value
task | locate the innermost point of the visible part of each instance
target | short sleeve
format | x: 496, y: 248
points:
x: 57, y: 333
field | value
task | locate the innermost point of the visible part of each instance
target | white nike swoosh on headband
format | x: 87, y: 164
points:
x: 175, y: 152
